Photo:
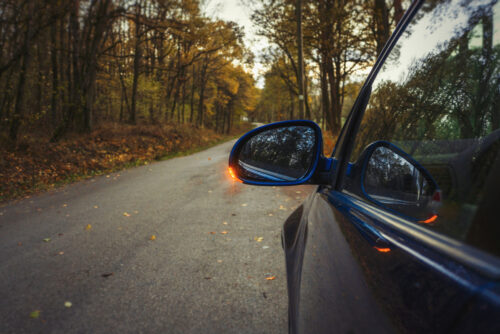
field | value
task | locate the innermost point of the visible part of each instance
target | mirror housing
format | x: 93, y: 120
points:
x: 392, y: 179
x: 280, y: 154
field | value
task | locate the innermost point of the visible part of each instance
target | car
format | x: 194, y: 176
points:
x: 402, y: 232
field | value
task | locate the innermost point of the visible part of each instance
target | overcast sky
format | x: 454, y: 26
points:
x: 240, y: 11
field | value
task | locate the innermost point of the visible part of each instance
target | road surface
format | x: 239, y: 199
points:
x: 81, y: 260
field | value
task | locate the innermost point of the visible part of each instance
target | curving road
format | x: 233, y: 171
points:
x: 90, y: 244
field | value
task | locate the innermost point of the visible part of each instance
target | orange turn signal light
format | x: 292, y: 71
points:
x: 431, y: 219
x: 382, y: 250
x: 233, y: 174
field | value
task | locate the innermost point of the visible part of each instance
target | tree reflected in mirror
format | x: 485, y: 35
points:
x: 281, y: 154
x: 395, y: 182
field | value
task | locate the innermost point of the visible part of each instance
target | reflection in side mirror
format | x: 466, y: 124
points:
x: 401, y: 184
x: 280, y: 153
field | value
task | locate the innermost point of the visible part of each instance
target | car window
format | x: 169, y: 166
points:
x: 434, y: 110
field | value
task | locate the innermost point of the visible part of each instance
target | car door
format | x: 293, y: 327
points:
x: 404, y: 239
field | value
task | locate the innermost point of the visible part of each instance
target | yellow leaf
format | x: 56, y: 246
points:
x: 68, y: 304
x: 258, y: 239
x: 271, y: 278
x: 126, y: 214
x: 224, y: 232
x: 224, y: 223
x: 153, y: 237
x: 35, y: 314
x: 244, y: 204
x: 88, y: 227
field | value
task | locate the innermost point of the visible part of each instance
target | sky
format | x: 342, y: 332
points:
x: 240, y: 11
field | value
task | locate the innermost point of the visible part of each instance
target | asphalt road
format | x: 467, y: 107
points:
x: 89, y: 244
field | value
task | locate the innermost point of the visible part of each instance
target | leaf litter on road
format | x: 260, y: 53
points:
x: 88, y: 227
x: 46, y: 239
x: 35, y: 314
x: 126, y: 214
x: 152, y: 238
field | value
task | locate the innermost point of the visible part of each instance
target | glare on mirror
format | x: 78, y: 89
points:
x: 282, y: 154
x: 393, y: 181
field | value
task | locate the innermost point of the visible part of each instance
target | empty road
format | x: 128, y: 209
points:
x: 170, y: 247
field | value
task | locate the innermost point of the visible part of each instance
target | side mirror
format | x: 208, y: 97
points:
x: 393, y: 179
x: 282, y: 153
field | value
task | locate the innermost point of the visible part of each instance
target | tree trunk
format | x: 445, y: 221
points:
x: 21, y: 85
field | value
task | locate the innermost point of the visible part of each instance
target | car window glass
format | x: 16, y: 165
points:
x: 436, y: 100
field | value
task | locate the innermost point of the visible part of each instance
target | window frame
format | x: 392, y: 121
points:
x: 472, y: 257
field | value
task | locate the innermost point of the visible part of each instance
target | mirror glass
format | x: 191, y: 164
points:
x: 282, y: 154
x: 397, y: 183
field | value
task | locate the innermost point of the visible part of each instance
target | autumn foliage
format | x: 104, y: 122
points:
x: 36, y: 165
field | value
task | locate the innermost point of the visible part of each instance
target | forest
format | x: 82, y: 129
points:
x: 87, y: 86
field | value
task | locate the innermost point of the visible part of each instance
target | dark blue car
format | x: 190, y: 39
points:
x: 402, y: 232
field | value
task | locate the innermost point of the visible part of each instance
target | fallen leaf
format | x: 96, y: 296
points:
x: 88, y: 227
x: 207, y: 277
x: 209, y: 191
x: 224, y: 223
x: 212, y: 232
x: 224, y: 232
x: 126, y: 214
x: 65, y: 205
x: 61, y: 253
x: 244, y: 204
x: 153, y: 237
x: 209, y: 158
x: 258, y: 239
x: 270, y: 215
x: 282, y: 207
x: 271, y: 278
x: 108, y: 176
x: 46, y: 239
x: 35, y: 314
x: 68, y: 304
x: 106, y: 275
x: 219, y: 261
x: 297, y: 192
x: 95, y: 207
